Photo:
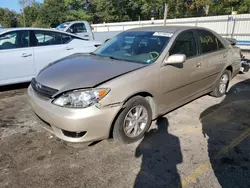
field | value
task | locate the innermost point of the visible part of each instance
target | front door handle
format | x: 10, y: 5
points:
x: 198, y: 65
x: 26, y: 55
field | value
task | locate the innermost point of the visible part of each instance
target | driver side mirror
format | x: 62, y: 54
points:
x: 175, y: 59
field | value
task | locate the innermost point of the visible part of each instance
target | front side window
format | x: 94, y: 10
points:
x: 15, y: 39
x: 208, y: 42
x: 45, y: 38
x: 185, y: 44
x: 135, y: 46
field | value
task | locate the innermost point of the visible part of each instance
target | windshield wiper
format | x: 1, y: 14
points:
x: 115, y: 58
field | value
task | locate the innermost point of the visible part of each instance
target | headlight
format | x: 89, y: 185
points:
x: 81, y: 98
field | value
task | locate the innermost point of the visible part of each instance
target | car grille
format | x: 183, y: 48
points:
x: 43, y: 90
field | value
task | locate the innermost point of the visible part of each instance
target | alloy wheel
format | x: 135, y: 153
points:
x: 223, y: 83
x: 135, y: 121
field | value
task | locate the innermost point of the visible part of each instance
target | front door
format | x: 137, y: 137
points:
x: 16, y: 58
x: 179, y: 82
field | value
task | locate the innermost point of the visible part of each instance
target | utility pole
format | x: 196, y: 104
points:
x: 165, y: 13
x: 24, y: 20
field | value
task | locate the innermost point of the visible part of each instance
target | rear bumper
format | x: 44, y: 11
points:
x: 73, y: 125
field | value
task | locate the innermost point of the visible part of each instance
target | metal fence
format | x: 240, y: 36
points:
x: 233, y: 26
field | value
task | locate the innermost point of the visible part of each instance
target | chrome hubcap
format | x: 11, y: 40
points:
x: 223, y: 83
x: 135, y: 121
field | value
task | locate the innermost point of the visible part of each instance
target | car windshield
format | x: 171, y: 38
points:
x: 62, y: 26
x: 135, y: 46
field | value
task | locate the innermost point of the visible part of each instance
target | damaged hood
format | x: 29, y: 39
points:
x: 83, y: 71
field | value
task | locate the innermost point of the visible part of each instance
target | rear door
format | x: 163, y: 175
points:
x: 214, y: 56
x: 179, y: 82
x: 49, y: 46
x: 16, y: 57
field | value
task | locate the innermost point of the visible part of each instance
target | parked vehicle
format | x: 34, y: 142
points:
x: 245, y: 65
x: 81, y: 28
x: 25, y: 51
x: 85, y: 30
x: 129, y: 81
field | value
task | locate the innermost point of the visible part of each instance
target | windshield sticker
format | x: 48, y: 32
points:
x: 163, y: 34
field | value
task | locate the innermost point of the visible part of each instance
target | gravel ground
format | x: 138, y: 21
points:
x: 203, y: 144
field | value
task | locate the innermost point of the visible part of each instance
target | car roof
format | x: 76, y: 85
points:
x: 171, y: 28
x: 72, y: 22
x: 33, y: 28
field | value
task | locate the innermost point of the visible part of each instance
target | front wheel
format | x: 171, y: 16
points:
x: 222, y: 85
x: 134, y: 120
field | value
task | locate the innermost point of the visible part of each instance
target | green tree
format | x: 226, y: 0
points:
x: 23, y: 4
x: 77, y: 10
x: 31, y: 13
x: 73, y: 15
x: 244, y: 7
x: 8, y: 18
x: 52, y: 13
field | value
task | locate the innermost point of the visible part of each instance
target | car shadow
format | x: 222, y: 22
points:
x: 13, y: 90
x: 14, y: 87
x: 227, y: 128
x: 160, y: 152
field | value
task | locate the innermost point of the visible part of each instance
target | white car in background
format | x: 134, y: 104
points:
x: 25, y: 51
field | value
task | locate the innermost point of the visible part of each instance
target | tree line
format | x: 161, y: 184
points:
x: 50, y: 13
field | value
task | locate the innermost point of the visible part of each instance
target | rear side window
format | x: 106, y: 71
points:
x: 208, y: 42
x: 45, y: 38
x: 185, y: 44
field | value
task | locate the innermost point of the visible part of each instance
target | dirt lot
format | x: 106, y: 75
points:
x: 203, y: 144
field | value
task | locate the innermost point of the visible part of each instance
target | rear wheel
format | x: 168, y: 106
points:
x: 133, y: 121
x: 222, y: 85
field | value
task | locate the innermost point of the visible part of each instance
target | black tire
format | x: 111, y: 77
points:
x: 216, y: 91
x: 118, y: 131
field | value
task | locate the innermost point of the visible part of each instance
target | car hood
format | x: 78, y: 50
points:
x: 83, y: 71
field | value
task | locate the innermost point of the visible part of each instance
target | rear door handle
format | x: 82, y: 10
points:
x: 69, y: 48
x: 224, y: 55
x: 26, y: 55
